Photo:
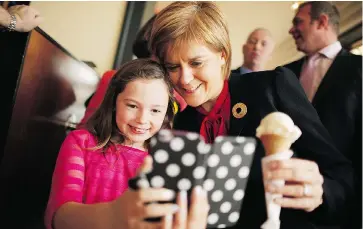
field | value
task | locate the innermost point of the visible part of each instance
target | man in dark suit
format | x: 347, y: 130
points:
x: 332, y: 80
x: 256, y: 51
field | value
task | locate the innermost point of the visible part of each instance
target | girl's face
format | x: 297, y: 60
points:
x: 141, y: 109
x: 196, y: 72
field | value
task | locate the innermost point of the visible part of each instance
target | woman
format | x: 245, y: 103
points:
x: 191, y: 39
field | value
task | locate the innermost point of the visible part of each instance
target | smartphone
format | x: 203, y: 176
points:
x: 182, y: 160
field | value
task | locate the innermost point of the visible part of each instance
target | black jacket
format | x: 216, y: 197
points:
x: 338, y: 102
x: 279, y: 90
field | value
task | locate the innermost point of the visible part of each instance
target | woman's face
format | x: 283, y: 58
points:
x: 196, y: 72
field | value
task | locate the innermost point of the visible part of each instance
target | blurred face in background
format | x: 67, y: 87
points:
x: 257, y: 50
x: 305, y: 32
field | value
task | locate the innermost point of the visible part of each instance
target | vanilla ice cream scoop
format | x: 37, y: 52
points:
x: 277, y: 132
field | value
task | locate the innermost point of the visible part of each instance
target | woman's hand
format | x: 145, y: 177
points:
x: 27, y: 18
x: 303, y: 183
x: 197, y: 216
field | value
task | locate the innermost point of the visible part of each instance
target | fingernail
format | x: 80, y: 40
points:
x: 143, y: 183
x: 174, y: 208
x: 198, y: 190
x: 183, y: 195
x: 169, y: 194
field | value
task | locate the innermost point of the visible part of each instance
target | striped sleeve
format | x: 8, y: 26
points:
x: 68, y: 176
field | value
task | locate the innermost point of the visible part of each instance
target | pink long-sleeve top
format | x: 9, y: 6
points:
x: 88, y: 176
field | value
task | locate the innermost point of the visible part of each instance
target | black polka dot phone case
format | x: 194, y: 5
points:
x: 182, y: 160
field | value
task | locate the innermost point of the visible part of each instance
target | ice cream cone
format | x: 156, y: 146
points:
x: 274, y: 143
x: 277, y: 133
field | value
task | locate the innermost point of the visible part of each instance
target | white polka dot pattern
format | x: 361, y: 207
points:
x: 184, y: 184
x: 183, y: 160
x: 161, y: 156
x: 157, y: 182
x: 188, y: 159
x: 177, y: 144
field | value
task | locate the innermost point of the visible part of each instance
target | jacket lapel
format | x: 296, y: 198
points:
x: 296, y: 66
x: 334, y: 71
x: 238, y: 94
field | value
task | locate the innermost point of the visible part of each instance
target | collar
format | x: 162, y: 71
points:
x: 219, y: 103
x: 244, y: 70
x: 332, y: 50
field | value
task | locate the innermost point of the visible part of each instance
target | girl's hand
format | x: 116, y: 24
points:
x: 197, y: 216
x: 131, y: 208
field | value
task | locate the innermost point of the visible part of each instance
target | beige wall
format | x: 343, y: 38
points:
x: 88, y: 30
x: 244, y: 16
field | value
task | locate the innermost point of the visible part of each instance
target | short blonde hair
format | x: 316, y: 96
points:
x: 182, y: 22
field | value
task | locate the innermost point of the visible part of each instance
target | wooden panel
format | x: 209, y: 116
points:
x: 51, y: 89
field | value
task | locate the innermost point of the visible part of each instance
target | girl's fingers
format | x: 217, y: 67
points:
x: 146, y: 195
x: 157, y: 210
x: 181, y: 216
x: 167, y: 222
x: 146, y: 166
x: 199, y: 208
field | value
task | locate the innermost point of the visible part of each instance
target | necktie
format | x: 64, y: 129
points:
x: 309, y: 74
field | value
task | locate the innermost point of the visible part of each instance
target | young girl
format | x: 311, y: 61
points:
x: 95, y: 163
x: 140, y: 50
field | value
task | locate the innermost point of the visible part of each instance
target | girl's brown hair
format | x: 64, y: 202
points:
x: 182, y: 22
x: 102, y: 123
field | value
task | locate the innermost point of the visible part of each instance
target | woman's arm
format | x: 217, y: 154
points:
x: 4, y: 17
x: 316, y: 146
x: 26, y: 17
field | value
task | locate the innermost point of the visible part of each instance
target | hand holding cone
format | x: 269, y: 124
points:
x: 277, y: 133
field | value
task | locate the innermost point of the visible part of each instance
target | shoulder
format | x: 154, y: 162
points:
x: 109, y: 73
x: 352, y: 59
x: 237, y: 70
x: 349, y: 63
x: 294, y: 65
x: 107, y: 76
x: 82, y: 138
x: 262, y: 77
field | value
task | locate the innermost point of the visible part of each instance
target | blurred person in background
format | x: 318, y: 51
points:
x: 332, y: 79
x: 257, y: 51
x: 19, y: 18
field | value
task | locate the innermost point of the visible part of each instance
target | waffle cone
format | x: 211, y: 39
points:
x: 275, y: 144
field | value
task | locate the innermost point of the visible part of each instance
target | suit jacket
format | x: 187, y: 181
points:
x: 338, y: 102
x: 279, y: 90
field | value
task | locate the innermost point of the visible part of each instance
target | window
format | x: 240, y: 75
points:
x: 357, y: 48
